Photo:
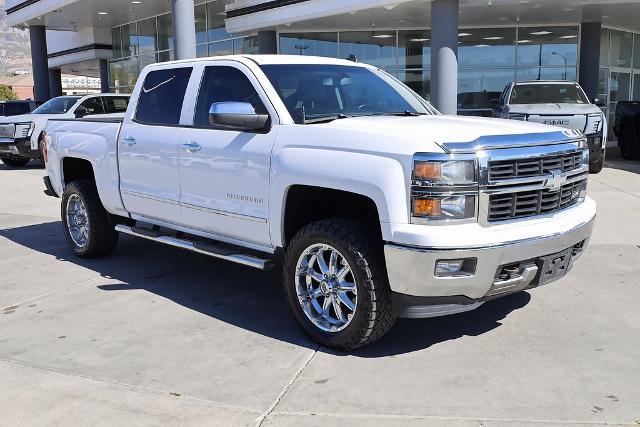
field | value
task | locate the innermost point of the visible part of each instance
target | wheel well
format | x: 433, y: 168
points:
x: 306, y: 204
x: 74, y: 169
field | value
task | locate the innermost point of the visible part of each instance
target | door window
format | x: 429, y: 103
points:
x: 225, y: 84
x: 162, y: 95
x: 116, y: 104
x: 93, y: 105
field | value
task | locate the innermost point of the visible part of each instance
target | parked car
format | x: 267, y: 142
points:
x: 627, y: 128
x: 374, y: 204
x: 476, y: 103
x: 557, y: 103
x: 20, y: 135
x: 14, y: 108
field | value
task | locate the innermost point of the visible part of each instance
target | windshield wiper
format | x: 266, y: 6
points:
x: 325, y: 119
x: 400, y: 113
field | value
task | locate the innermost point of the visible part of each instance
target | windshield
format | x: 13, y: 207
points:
x: 311, y: 91
x: 538, y: 93
x: 58, y: 105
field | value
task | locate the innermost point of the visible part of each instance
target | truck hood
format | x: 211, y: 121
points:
x: 29, y: 118
x: 553, y: 109
x: 438, y: 128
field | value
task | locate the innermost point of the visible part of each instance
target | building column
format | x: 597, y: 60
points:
x: 590, y: 57
x: 267, y: 42
x: 184, y: 29
x: 444, y: 55
x: 104, y: 76
x: 40, y: 62
x: 55, y: 82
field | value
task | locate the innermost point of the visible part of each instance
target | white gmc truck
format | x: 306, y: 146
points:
x: 374, y: 205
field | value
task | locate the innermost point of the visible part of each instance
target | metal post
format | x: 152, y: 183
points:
x: 444, y: 55
x: 40, y: 62
x: 590, y: 57
x: 104, y: 76
x: 184, y: 29
x: 55, y: 82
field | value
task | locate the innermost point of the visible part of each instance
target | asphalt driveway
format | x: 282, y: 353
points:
x: 154, y: 335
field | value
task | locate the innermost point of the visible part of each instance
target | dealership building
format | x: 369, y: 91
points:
x: 460, y: 54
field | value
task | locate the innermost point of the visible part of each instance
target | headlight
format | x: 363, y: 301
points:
x: 455, y: 172
x: 24, y: 130
x: 517, y: 116
x: 443, y: 189
x: 594, y: 123
x: 444, y: 207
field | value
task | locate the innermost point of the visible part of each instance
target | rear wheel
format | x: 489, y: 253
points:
x: 15, y: 162
x: 336, y: 283
x: 86, y: 223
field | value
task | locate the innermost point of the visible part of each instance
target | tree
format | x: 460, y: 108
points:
x: 6, y: 94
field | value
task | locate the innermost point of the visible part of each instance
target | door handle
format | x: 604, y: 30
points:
x: 128, y: 141
x: 191, y: 147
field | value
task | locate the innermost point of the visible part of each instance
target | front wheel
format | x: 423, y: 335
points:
x: 336, y: 283
x: 15, y: 162
x: 597, y: 165
x: 86, y: 223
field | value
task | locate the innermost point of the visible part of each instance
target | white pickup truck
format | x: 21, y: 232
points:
x: 557, y: 103
x: 374, y: 204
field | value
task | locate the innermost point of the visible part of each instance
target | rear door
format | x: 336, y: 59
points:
x: 148, y: 146
x: 224, y: 174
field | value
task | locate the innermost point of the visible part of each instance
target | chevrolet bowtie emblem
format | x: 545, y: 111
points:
x: 557, y: 180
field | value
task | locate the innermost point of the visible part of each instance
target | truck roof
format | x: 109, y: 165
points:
x: 269, y: 60
x: 544, y: 82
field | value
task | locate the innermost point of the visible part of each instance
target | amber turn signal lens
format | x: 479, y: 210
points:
x: 431, y: 171
x: 426, y: 207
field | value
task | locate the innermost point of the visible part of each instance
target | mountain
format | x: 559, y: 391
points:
x: 15, y: 53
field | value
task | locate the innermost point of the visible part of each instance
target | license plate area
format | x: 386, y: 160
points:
x: 554, y: 267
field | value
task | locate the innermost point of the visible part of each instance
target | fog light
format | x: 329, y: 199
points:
x: 455, y: 267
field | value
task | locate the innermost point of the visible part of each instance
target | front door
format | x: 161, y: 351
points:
x: 224, y: 174
x: 148, y: 147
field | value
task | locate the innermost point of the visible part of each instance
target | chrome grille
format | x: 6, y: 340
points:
x: 533, y: 202
x: 522, y: 168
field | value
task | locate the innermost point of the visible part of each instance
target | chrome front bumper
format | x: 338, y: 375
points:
x: 419, y: 293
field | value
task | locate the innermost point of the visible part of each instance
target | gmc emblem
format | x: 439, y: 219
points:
x: 556, y: 122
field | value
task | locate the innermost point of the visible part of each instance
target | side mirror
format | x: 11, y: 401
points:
x: 236, y: 116
x: 495, y: 104
x: 81, y: 112
x: 599, y: 102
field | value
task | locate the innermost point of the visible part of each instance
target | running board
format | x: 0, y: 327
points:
x: 220, y: 252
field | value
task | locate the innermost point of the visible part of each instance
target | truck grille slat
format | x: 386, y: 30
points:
x: 520, y: 168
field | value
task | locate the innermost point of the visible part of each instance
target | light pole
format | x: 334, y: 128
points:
x: 565, y: 62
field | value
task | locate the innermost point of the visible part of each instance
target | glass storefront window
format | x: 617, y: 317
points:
x: 202, y: 50
x: 539, y: 46
x: 476, y: 89
x: 414, y: 49
x: 371, y: 47
x: 221, y: 48
x: 145, y: 60
x: 215, y: 21
x: 486, y: 47
x: 603, y: 76
x: 117, y: 73
x: 116, y: 42
x: 131, y: 71
x: 621, y: 48
x: 419, y: 81
x: 165, y: 32
x: 201, y: 23
x: 636, y: 54
x: 246, y: 45
x: 165, y: 56
x: 547, y: 73
x: 316, y: 44
x: 147, y: 36
x: 604, y: 47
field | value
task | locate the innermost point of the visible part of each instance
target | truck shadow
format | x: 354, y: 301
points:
x: 241, y: 296
x: 33, y: 164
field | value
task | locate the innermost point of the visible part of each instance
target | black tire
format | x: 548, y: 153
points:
x: 15, y: 162
x: 101, y: 236
x: 373, y: 316
x: 596, y: 166
x: 629, y: 147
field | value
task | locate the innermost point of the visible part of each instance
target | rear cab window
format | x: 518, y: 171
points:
x: 161, y: 96
x: 116, y: 104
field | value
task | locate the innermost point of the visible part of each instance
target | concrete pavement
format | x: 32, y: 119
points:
x: 153, y: 335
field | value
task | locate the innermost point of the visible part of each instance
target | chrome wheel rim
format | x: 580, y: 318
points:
x: 77, y: 220
x: 326, y: 287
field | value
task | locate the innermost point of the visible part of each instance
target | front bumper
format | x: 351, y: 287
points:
x: 419, y: 293
x: 20, y: 147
